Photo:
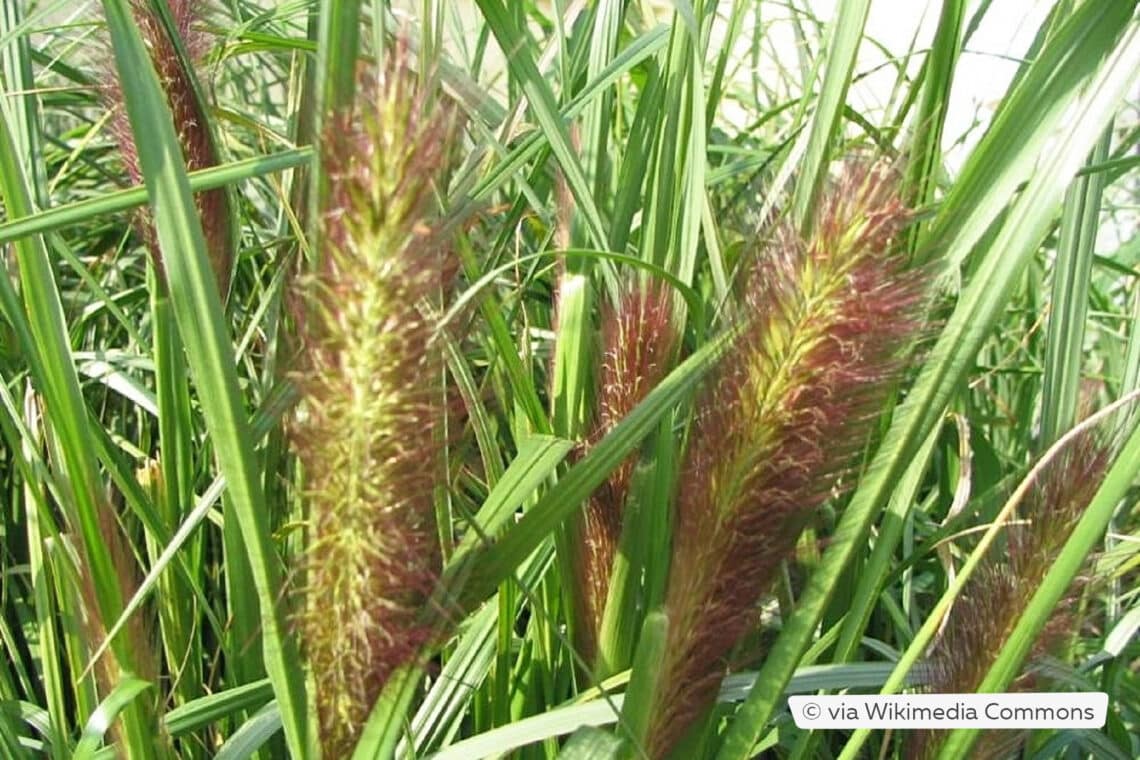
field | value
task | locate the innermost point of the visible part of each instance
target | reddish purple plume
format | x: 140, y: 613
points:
x: 190, y: 121
x: 827, y: 325
x: 638, y: 342
x: 994, y: 598
x: 369, y: 433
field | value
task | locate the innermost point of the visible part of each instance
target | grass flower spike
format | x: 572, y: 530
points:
x: 637, y: 344
x: 827, y: 321
x: 996, y: 595
x: 368, y: 431
x: 200, y: 151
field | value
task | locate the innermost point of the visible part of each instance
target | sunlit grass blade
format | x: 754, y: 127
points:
x: 845, y: 33
x: 1069, y: 308
x: 197, y: 306
x: 48, y: 348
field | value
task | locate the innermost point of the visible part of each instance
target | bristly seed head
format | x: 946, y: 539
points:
x: 638, y: 342
x: 827, y: 322
x: 368, y: 432
x: 995, y: 596
x: 190, y: 122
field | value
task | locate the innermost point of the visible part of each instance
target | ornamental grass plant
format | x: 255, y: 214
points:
x: 576, y: 380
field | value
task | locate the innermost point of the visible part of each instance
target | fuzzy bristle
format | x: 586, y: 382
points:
x: 368, y: 431
x: 994, y: 598
x: 198, y: 148
x: 638, y: 341
x: 827, y: 321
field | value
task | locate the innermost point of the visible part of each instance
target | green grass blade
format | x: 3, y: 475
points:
x: 124, y: 693
x: 338, y: 46
x: 543, y: 105
x: 39, y: 528
x: 1068, y: 315
x: 467, y: 665
x: 176, y: 489
x: 537, y: 461
x: 43, y: 334
x: 925, y: 160
x: 60, y: 217
x: 1030, y: 114
x: 521, y: 382
x: 641, y: 567
x: 205, y: 710
x: 844, y: 36
x: 596, y: 143
x: 632, y: 55
x: 47, y: 344
x: 198, y: 309
x: 493, y: 564
x: 643, y: 681
x: 590, y: 744
x: 252, y: 736
x: 574, y: 351
x: 386, y: 722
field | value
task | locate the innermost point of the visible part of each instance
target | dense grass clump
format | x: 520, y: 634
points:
x: 567, y: 380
